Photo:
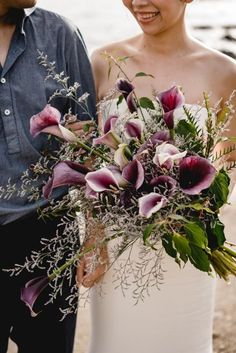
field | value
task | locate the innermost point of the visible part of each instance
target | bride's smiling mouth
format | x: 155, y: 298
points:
x: 146, y: 16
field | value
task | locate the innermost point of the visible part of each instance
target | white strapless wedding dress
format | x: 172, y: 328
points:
x: 178, y: 318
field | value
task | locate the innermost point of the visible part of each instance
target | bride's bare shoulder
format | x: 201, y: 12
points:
x: 220, y: 69
x: 100, y: 61
x: 116, y: 49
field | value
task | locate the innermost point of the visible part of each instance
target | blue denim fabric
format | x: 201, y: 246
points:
x: 24, y: 92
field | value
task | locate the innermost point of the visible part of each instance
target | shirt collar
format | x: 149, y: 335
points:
x: 27, y: 13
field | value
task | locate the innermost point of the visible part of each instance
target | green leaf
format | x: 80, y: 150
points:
x: 86, y: 127
x: 196, y: 235
x: 122, y: 58
x: 197, y: 207
x: 220, y: 188
x: 120, y: 99
x: 181, y: 244
x: 185, y: 128
x: 199, y: 258
x: 145, y: 103
x: 177, y: 217
x: 218, y: 233
x: 223, y: 115
x: 140, y: 74
x: 147, y: 232
x: 167, y: 242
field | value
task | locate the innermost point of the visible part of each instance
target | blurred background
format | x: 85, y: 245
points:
x: 214, y: 23
x: 103, y: 21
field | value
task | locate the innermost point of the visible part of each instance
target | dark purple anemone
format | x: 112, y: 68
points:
x: 195, y: 174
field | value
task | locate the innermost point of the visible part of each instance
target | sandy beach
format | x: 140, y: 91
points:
x: 211, y: 21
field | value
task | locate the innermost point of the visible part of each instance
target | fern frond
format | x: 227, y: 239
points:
x: 224, y: 152
x: 230, y: 165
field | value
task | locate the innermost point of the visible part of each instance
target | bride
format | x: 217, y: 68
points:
x: 178, y: 318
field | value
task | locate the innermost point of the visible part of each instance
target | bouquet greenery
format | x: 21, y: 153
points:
x: 153, y: 175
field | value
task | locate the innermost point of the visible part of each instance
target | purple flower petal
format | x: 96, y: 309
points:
x: 89, y: 193
x: 195, y: 174
x: 66, y: 134
x: 171, y: 99
x: 110, y: 139
x: 156, y: 139
x: 65, y: 173
x: 134, y: 128
x: 32, y: 290
x: 131, y: 103
x: 167, y: 152
x: 169, y: 119
x: 45, y: 121
x: 101, y: 180
x: 110, y: 123
x: 118, y: 176
x: 124, y: 86
x: 134, y: 173
x: 165, y: 184
x: 150, y: 204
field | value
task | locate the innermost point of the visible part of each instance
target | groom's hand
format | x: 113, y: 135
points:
x: 81, y: 128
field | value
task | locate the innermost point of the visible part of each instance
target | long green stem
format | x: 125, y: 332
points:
x: 95, y: 152
x: 79, y: 254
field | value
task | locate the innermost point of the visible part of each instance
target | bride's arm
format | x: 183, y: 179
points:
x: 230, y: 89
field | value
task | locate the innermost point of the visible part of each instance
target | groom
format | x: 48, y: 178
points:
x: 24, y: 92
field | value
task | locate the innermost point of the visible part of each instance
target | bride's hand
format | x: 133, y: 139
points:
x: 92, y: 267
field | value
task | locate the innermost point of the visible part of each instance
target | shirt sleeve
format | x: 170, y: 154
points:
x: 79, y: 70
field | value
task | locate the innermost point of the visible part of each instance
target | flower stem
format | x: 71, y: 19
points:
x: 95, y: 152
x: 79, y: 254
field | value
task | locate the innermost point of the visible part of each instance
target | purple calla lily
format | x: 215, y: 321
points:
x: 48, y: 121
x: 110, y: 123
x: 150, y: 204
x: 45, y: 121
x: 32, y: 290
x: 166, y: 154
x: 65, y: 173
x: 195, y: 174
x: 156, y: 139
x: 121, y: 155
x: 90, y: 193
x: 134, y: 128
x: 165, y: 184
x: 124, y: 86
x: 118, y: 176
x: 134, y: 173
x: 131, y: 103
x: 110, y: 139
x: 101, y: 180
x: 170, y: 100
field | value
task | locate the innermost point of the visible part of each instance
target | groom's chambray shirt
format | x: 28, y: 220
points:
x: 24, y: 92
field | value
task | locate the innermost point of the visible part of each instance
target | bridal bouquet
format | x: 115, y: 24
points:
x: 154, y: 176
